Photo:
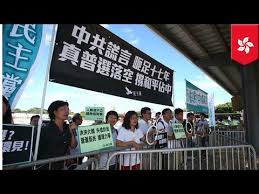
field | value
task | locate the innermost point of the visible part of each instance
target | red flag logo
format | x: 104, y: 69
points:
x: 244, y: 43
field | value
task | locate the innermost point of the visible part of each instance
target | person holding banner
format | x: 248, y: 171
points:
x: 164, y: 126
x: 178, y: 119
x: 56, y: 138
x: 178, y: 113
x: 130, y: 136
x: 7, y: 113
x: 163, y: 123
x: 111, y: 118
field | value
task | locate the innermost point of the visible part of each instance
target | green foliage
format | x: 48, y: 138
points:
x: 224, y: 108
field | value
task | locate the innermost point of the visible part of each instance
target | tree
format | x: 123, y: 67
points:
x: 224, y: 108
x: 17, y: 110
x: 82, y: 113
x: 36, y: 110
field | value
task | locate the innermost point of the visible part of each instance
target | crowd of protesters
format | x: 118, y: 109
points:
x: 59, y: 137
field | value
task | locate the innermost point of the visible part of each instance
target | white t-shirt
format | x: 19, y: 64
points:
x: 143, y: 125
x: 126, y: 135
x: 118, y: 125
x: 201, y: 125
x: 167, y: 128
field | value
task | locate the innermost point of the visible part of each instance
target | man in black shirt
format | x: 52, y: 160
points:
x: 56, y: 138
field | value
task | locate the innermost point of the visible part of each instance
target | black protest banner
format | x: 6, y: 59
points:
x: 17, y: 143
x: 91, y: 57
x: 161, y: 140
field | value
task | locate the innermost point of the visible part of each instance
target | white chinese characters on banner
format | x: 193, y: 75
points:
x: 139, y: 80
x: 70, y: 52
x: 22, y: 48
x: 124, y: 57
x: 98, y: 43
x: 88, y: 61
x: 10, y: 83
x: 127, y: 76
x: 116, y: 71
x: 15, y: 146
x: 26, y: 29
x: 17, y: 56
x: 81, y: 34
x: 112, y: 51
x: 112, y: 61
x: 147, y: 82
x: 12, y: 146
x: 103, y: 67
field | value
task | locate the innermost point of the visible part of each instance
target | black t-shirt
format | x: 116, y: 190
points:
x: 53, y: 142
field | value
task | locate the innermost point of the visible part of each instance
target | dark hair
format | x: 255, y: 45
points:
x: 75, y: 117
x: 203, y: 114
x: 158, y: 113
x: 111, y: 113
x: 190, y: 114
x: 54, y: 106
x: 7, y: 117
x: 165, y: 110
x: 126, y: 120
x: 144, y: 110
x: 34, y: 116
x: 177, y: 111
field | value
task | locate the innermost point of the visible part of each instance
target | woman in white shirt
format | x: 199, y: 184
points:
x: 130, y: 136
x: 111, y: 118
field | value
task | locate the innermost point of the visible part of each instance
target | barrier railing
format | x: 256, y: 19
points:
x: 238, y: 157
x: 224, y: 138
x: 153, y: 159
x: 67, y: 162
x: 71, y: 162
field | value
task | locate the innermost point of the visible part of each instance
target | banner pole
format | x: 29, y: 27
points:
x: 173, y: 92
x: 52, y: 44
x: 185, y: 96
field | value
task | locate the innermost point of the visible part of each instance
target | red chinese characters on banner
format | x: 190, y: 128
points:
x: 244, y: 43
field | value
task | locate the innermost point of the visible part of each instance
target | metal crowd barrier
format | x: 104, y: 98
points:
x: 224, y: 138
x: 237, y: 157
x: 179, y: 155
x: 75, y: 161
x: 229, y: 128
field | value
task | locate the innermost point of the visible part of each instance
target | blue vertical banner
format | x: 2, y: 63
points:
x: 22, y: 44
x: 212, y: 121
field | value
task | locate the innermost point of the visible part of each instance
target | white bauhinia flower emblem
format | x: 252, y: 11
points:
x: 245, y: 45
